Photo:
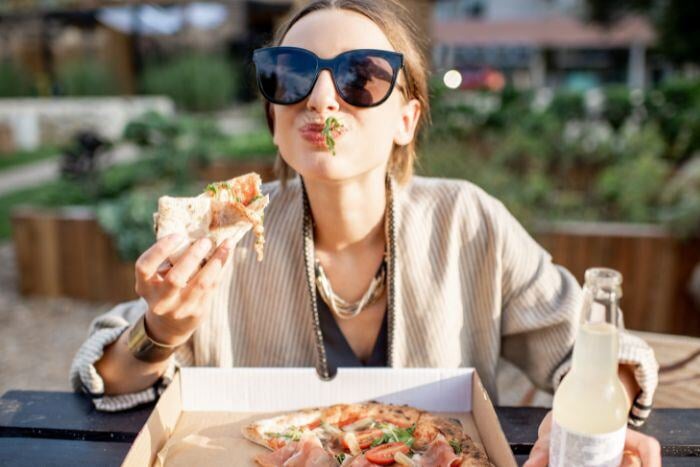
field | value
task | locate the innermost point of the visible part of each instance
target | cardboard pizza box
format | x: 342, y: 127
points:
x: 198, y: 419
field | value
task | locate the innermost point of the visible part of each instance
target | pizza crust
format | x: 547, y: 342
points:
x: 215, y: 215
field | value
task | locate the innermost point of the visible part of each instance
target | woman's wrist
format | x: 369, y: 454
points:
x: 159, y: 331
x: 144, y: 348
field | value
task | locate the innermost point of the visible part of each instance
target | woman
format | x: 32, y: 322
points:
x: 365, y: 264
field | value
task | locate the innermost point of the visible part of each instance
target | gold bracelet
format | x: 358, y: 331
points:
x: 144, y: 348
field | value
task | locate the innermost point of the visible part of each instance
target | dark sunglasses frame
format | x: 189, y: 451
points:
x: 395, y: 60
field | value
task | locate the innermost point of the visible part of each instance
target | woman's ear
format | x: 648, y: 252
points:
x: 406, y: 126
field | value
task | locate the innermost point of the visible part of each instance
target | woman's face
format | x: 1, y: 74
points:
x: 368, y: 134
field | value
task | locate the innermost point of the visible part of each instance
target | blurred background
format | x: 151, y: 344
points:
x: 582, y: 116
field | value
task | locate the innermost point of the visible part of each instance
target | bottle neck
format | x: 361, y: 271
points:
x: 596, y: 351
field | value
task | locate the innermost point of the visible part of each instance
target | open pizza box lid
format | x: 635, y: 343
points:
x: 198, y: 419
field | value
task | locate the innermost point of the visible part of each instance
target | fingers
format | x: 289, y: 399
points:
x: 648, y: 448
x: 149, y: 262
x: 631, y: 459
x: 539, y: 456
x: 188, y: 264
x: 208, y: 277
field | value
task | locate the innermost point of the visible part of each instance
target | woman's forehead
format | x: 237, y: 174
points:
x: 330, y: 32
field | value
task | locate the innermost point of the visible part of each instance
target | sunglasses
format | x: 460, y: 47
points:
x: 362, y: 78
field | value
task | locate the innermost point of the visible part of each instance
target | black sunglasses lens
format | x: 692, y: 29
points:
x: 364, y: 79
x: 285, y: 77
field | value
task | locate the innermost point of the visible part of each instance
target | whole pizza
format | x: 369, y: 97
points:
x: 365, y: 434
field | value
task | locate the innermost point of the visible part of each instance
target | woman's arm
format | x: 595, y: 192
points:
x: 122, y: 373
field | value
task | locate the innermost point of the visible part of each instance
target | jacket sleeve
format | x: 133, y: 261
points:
x: 105, y: 330
x: 541, y: 313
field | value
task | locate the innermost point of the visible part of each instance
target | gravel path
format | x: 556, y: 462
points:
x: 38, y: 337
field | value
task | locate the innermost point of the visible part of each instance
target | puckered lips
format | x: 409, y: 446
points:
x: 313, y: 133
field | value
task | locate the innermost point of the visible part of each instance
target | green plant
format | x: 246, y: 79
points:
x: 22, y: 157
x: 86, y: 78
x: 255, y: 145
x: 567, y: 105
x: 129, y: 221
x: 175, y: 145
x: 195, y: 82
x: 681, y: 199
x: 632, y: 188
x: 50, y: 194
x: 14, y: 81
x: 618, y: 105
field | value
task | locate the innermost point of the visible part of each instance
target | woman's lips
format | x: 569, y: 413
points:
x: 312, y: 132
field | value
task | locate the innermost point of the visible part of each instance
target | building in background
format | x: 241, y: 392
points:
x: 40, y: 36
x: 535, y: 43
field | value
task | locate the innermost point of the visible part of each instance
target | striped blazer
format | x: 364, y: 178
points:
x: 466, y: 285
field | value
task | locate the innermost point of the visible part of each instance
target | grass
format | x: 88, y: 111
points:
x: 18, y: 158
x: 57, y: 193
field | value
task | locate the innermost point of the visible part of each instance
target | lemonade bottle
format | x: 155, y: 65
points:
x: 590, y: 406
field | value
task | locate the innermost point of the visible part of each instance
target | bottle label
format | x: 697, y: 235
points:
x: 567, y: 448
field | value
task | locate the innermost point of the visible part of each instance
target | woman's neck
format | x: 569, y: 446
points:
x: 349, y: 215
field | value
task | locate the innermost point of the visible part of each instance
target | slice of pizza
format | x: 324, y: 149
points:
x: 367, y: 434
x: 225, y: 210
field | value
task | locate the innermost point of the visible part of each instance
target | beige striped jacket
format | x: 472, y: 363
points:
x: 466, y: 286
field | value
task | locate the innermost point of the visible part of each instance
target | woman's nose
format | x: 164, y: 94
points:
x: 323, y: 97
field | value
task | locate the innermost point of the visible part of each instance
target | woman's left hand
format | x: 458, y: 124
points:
x: 640, y: 449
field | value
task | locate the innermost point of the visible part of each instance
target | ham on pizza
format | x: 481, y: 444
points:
x: 366, y: 434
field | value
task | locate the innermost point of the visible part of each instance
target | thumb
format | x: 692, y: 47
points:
x: 539, y: 456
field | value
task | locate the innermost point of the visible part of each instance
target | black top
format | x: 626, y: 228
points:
x: 338, y: 351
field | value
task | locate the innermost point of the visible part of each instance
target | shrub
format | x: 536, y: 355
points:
x: 567, y: 106
x: 618, y: 105
x: 14, y: 82
x: 195, y: 82
x: 85, y: 78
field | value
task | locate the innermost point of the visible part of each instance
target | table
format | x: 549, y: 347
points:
x: 60, y: 428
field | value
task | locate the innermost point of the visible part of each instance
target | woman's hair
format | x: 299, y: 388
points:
x: 395, y: 21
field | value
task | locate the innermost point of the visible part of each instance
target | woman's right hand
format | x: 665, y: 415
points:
x: 178, y: 296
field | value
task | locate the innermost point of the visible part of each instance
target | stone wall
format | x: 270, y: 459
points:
x: 32, y: 122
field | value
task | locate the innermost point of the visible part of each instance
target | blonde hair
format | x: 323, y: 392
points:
x: 395, y: 21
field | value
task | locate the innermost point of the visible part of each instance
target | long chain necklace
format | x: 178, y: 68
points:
x: 341, y: 308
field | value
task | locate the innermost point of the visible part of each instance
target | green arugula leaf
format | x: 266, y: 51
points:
x: 331, y: 124
x: 393, y: 434
x: 293, y: 433
x: 456, y: 446
x: 340, y: 458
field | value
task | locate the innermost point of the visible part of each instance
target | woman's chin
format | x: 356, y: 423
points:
x: 321, y: 164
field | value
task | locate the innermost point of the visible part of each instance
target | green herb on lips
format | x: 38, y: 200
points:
x: 456, y: 446
x: 394, y: 434
x: 332, y: 124
x: 340, y: 458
